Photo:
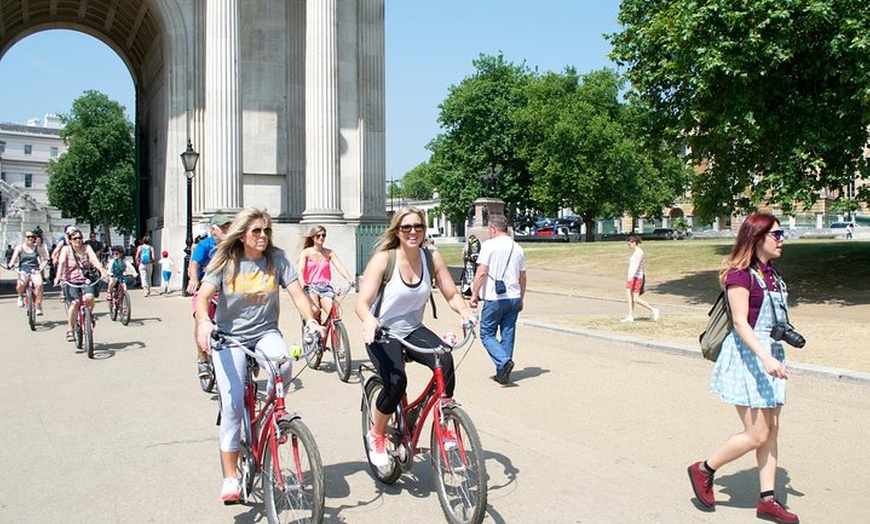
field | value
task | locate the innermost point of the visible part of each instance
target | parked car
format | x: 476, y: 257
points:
x: 843, y: 225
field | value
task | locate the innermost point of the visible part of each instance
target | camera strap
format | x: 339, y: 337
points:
x: 780, y: 284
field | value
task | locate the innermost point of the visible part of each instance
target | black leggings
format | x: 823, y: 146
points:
x: 387, y: 358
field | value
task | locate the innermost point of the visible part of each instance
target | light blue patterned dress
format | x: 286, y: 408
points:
x: 739, y: 376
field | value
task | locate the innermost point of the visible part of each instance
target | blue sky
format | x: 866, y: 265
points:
x: 430, y: 46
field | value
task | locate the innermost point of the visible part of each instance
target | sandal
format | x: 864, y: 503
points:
x: 70, y: 336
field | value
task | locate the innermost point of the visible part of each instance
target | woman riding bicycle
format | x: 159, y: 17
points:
x: 314, y: 266
x: 74, y: 260
x: 400, y: 308
x: 31, y: 259
x: 247, y: 271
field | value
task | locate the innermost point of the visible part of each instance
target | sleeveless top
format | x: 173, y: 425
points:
x: 73, y: 271
x: 28, y: 261
x: 403, y: 304
x: 317, y: 272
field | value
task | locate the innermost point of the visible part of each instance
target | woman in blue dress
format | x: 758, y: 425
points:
x: 750, y: 372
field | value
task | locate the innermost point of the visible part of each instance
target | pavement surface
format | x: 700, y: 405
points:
x: 594, y: 428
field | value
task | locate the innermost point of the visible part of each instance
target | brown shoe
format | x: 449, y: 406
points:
x: 702, y: 484
x: 773, y: 511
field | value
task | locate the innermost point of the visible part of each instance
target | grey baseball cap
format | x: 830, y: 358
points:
x: 220, y: 219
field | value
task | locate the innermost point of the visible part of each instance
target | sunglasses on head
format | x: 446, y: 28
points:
x: 406, y: 228
x: 778, y: 234
x: 258, y: 231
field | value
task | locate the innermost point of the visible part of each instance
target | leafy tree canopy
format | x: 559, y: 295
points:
x: 585, y: 150
x: 417, y: 183
x: 94, y: 181
x: 772, y: 97
x: 478, y: 122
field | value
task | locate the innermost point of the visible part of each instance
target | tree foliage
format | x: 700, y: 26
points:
x: 94, y: 181
x: 772, y: 97
x: 417, y: 183
x: 585, y: 151
x: 478, y: 122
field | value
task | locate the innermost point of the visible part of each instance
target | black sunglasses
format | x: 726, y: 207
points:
x: 320, y: 235
x: 778, y: 234
x: 406, y: 228
x: 257, y: 231
x: 75, y: 238
x: 29, y: 236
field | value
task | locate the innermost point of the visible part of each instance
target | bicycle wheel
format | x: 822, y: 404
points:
x: 113, y: 306
x: 313, y: 358
x: 293, y: 488
x: 78, y: 331
x: 460, y: 474
x: 247, y: 465
x: 31, y: 309
x: 124, y: 307
x: 341, y: 351
x: 391, y: 473
x: 88, y: 332
x: 207, y: 383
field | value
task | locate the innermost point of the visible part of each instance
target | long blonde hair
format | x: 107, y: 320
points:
x: 232, y: 248
x: 309, y: 238
x: 390, y: 238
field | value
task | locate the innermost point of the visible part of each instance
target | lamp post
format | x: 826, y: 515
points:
x: 188, y: 160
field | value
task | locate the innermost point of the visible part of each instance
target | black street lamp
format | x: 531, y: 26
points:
x: 188, y: 160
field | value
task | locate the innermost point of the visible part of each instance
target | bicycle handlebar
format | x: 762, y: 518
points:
x: 467, y: 327
x: 309, y: 345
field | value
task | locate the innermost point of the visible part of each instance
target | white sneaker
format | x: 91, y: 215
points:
x: 20, y: 301
x: 655, y: 314
x: 39, y: 312
x: 378, y: 455
x: 627, y: 319
x: 230, y: 490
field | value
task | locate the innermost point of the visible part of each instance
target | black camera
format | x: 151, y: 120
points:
x: 785, y: 332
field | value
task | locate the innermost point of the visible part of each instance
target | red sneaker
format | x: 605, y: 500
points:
x: 702, y: 484
x: 774, y: 512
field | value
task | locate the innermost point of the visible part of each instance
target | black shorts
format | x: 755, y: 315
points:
x: 76, y: 293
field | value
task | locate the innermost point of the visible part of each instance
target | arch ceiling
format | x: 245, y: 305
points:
x: 131, y: 27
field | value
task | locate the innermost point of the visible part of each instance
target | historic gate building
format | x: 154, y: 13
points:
x: 283, y: 99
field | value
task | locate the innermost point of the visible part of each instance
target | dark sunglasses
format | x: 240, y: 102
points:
x: 406, y: 228
x: 29, y: 236
x: 258, y: 231
x: 778, y: 234
x: 320, y: 235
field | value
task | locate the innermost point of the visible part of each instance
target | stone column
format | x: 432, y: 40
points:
x: 371, y: 91
x: 223, y: 118
x: 322, y: 174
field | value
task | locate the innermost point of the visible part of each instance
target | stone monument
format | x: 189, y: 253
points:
x: 487, y: 206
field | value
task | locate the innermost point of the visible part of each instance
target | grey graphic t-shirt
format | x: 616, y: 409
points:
x: 249, y: 305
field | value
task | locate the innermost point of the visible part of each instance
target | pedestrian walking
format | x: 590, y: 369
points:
x: 145, y: 263
x: 501, y: 283
x: 750, y: 372
x: 635, y: 280
x: 165, y: 270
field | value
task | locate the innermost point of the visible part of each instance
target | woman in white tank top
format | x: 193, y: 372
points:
x: 401, y: 310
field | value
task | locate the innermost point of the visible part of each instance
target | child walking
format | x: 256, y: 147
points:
x: 166, y: 269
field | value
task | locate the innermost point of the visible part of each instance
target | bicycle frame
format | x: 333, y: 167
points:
x: 333, y: 316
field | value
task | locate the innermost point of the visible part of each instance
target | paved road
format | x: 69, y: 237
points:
x: 592, y: 431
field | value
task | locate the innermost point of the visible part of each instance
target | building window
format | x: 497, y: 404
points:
x: 28, y: 149
x: 53, y: 152
x: 3, y: 175
x: 28, y: 180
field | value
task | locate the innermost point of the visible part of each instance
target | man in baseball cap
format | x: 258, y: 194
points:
x: 200, y: 258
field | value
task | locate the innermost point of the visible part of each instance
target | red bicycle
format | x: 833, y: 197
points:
x: 455, y: 450
x: 84, y: 325
x: 336, y: 340
x: 119, y: 301
x: 29, y: 299
x: 276, y: 445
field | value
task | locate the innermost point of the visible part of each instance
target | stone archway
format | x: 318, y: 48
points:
x: 286, y: 111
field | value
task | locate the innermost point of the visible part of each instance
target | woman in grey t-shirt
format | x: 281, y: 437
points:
x: 248, y: 272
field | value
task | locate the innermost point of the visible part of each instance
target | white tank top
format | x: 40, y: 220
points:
x: 403, y: 305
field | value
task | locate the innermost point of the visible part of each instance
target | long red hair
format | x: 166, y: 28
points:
x: 751, y: 235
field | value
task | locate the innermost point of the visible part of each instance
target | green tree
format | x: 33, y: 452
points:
x: 94, y: 180
x: 417, y: 183
x: 771, y: 96
x: 585, y: 151
x: 478, y: 122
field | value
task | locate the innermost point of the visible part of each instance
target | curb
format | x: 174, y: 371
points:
x: 846, y: 375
